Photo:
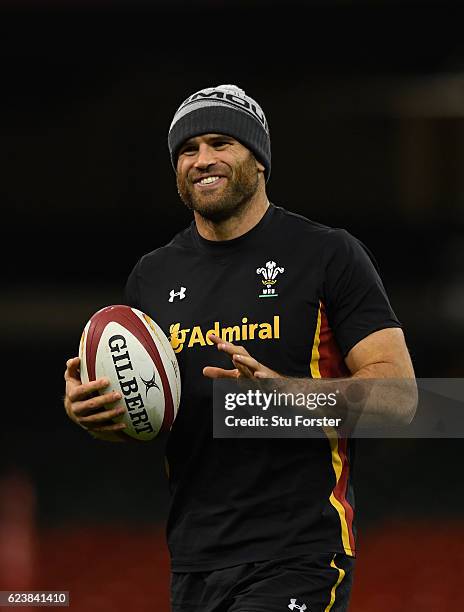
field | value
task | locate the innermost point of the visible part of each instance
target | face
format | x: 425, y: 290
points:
x: 216, y: 176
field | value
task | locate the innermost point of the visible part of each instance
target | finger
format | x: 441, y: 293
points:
x: 215, y: 339
x: 108, y: 427
x: 258, y: 369
x: 227, y: 347
x: 212, y: 372
x: 246, y: 361
x: 95, y: 404
x: 99, y: 418
x: 242, y: 368
x: 267, y: 373
x: 245, y: 372
x: 81, y: 391
x: 72, y: 369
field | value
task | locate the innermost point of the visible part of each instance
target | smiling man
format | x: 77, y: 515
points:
x: 231, y: 191
x: 250, y: 289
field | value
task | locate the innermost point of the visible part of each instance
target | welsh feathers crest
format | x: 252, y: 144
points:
x: 269, y: 273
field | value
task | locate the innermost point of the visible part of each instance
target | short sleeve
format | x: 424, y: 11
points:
x: 131, y: 289
x: 355, y: 297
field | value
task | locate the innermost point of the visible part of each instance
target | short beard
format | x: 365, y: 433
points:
x: 233, y: 200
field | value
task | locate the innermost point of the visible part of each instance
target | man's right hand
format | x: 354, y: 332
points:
x: 88, y: 409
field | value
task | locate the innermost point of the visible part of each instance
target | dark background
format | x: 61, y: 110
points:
x: 365, y: 102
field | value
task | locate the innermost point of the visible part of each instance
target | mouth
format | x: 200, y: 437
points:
x: 209, y: 182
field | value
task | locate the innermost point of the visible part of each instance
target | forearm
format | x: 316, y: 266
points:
x: 381, y: 391
x: 376, y: 396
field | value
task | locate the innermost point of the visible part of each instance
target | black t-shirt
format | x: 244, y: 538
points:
x: 241, y: 500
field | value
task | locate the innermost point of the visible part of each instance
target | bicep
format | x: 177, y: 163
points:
x: 382, y: 354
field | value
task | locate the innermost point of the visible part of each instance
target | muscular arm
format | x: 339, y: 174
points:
x: 382, y: 354
x: 381, y: 359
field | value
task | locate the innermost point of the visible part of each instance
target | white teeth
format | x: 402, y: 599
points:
x: 208, y: 179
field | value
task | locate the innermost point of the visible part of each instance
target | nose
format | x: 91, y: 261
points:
x: 206, y: 156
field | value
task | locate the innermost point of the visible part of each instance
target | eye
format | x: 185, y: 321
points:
x: 188, y: 150
x: 221, y: 143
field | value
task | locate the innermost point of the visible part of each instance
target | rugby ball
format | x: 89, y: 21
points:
x: 126, y: 346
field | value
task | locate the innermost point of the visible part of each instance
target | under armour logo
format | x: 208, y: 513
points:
x: 180, y: 294
x: 293, y: 605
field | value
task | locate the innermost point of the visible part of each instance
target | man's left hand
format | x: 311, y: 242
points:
x: 245, y: 365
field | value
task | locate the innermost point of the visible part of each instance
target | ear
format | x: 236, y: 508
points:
x: 260, y: 166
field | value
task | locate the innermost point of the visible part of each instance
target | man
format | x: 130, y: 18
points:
x: 255, y: 525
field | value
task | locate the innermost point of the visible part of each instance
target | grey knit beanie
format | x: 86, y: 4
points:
x: 224, y: 109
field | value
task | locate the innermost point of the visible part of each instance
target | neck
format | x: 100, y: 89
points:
x: 237, y: 225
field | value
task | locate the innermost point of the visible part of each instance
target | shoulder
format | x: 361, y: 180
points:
x: 335, y: 246
x: 329, y: 237
x: 299, y: 223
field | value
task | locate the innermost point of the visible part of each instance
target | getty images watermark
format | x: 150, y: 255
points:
x: 360, y: 408
x: 256, y: 398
